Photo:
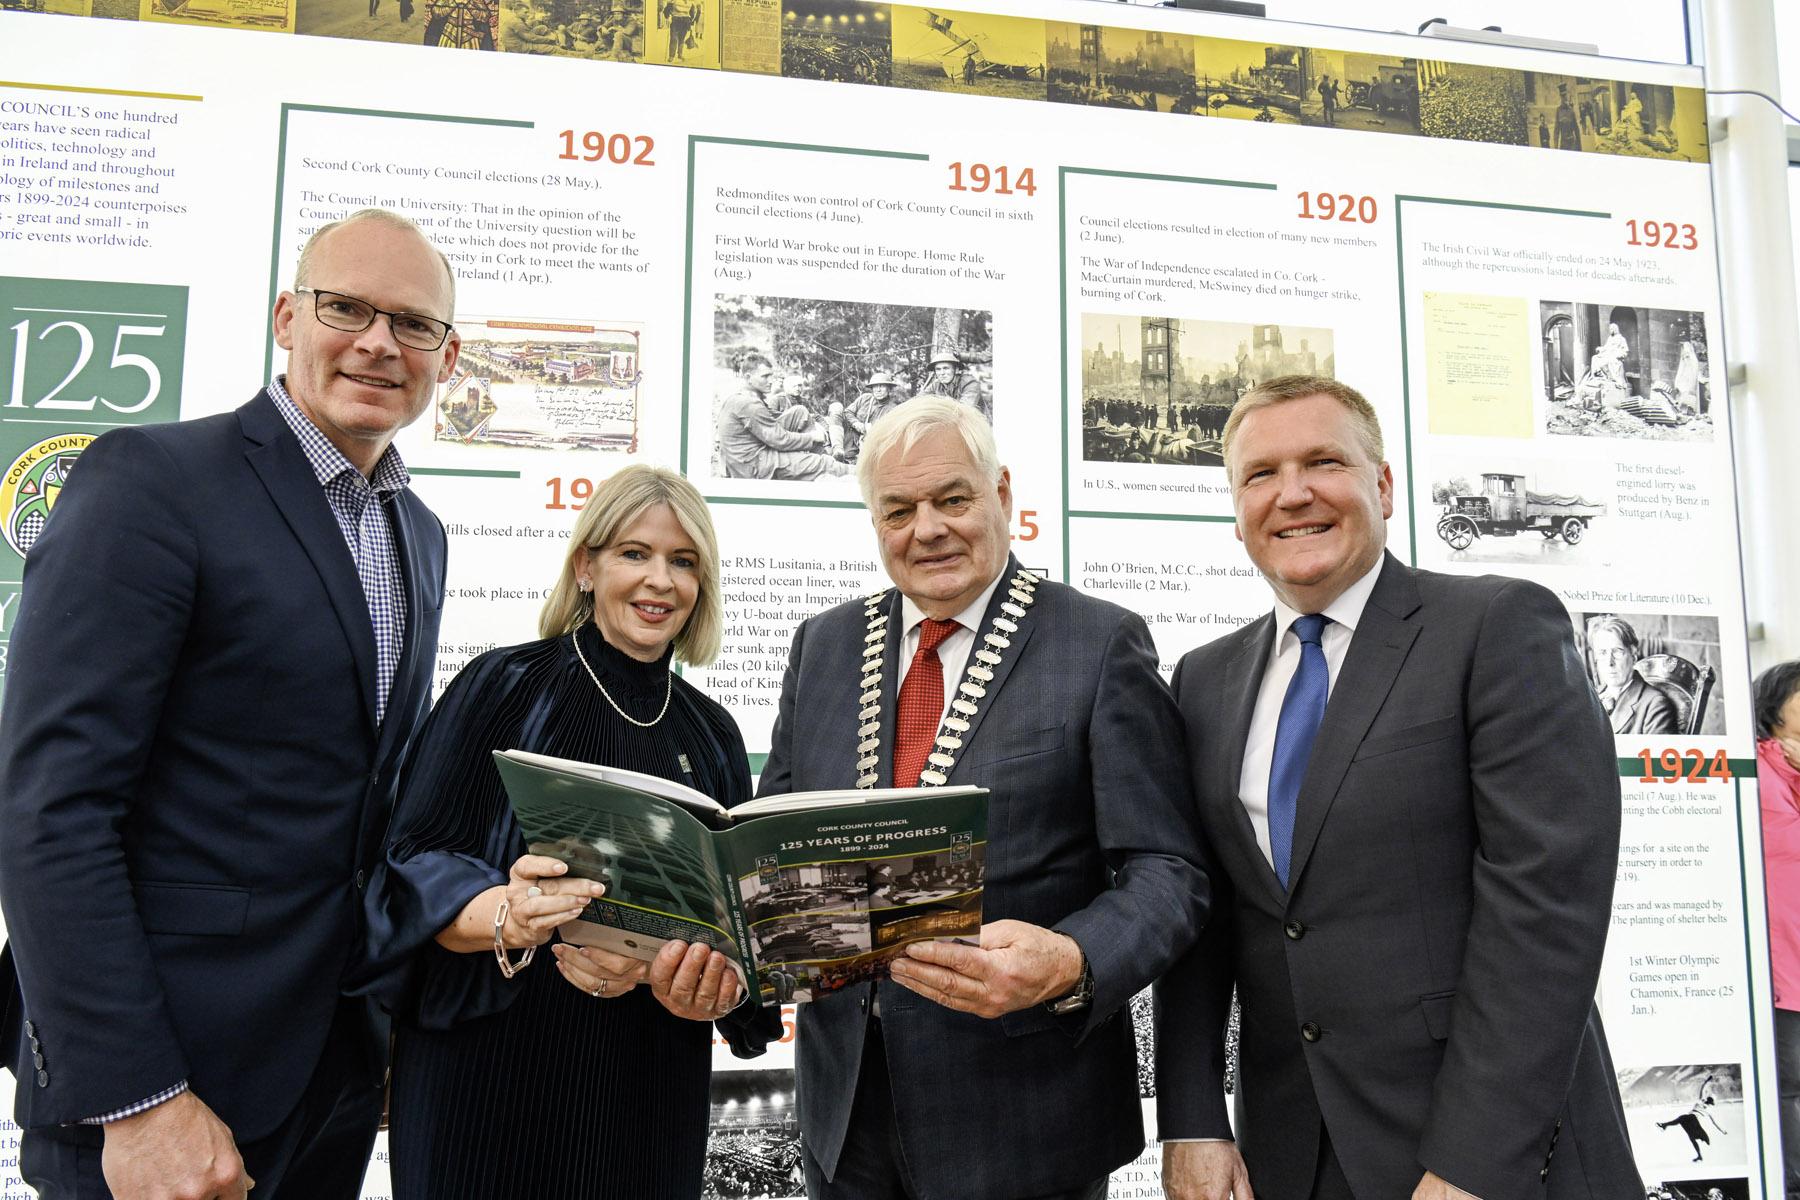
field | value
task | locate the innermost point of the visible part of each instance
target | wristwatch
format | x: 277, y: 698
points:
x: 1081, y: 997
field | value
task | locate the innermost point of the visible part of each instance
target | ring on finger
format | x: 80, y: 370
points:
x: 600, y: 992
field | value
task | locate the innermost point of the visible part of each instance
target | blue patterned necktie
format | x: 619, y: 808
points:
x: 1301, y: 711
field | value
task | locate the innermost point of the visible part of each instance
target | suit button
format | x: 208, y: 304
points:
x: 30, y: 1030
x: 37, y: 1060
x: 43, y: 1078
x: 362, y: 880
x: 1311, y: 1031
x: 1295, y: 930
x: 1544, y: 1174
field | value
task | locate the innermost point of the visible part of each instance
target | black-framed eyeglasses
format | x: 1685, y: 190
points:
x: 353, y: 315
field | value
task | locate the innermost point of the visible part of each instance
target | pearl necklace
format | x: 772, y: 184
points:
x: 970, y: 692
x: 575, y: 641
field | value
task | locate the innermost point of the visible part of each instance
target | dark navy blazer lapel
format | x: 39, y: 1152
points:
x: 419, y: 571
x: 1243, y: 682
x: 279, y: 462
x: 1378, y: 650
x: 890, y: 686
x: 1009, y: 658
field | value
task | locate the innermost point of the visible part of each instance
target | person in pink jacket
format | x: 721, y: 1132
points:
x: 1778, y: 783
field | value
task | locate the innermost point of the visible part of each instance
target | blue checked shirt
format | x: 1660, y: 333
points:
x: 369, y: 533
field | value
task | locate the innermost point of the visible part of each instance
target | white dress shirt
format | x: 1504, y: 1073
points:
x: 953, y: 652
x: 1259, y: 748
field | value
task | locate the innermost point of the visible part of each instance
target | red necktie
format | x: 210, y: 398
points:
x: 921, y: 703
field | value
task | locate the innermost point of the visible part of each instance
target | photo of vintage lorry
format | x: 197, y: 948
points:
x: 1506, y: 507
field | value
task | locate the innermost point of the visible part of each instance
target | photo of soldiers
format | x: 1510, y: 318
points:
x: 612, y: 30
x: 948, y: 379
x: 820, y: 372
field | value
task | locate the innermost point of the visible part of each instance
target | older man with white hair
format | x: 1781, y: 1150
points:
x: 1004, y: 1071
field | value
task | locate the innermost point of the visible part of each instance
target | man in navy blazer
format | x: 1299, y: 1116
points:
x: 225, y: 641
x: 1415, y: 894
x: 1008, y: 1070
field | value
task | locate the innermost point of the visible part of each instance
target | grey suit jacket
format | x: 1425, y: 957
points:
x: 1091, y: 831
x: 1424, y: 988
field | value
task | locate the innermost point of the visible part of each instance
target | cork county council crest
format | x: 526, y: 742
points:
x: 28, y: 491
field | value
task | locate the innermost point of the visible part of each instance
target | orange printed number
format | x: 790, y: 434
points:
x: 1001, y: 181
x: 568, y: 493
x: 1027, y: 525
x: 594, y: 146
x: 1661, y: 235
x: 1690, y: 766
x: 1338, y: 206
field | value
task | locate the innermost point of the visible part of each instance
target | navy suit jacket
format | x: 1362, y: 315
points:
x: 1091, y: 831
x: 1424, y: 987
x: 192, y: 781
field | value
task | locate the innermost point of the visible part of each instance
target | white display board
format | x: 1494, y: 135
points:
x: 1116, y: 227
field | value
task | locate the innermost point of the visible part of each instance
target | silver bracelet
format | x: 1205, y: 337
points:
x: 508, y: 968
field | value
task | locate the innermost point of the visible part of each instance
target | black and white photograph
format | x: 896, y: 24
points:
x: 754, y: 1150
x: 1625, y: 371
x: 1655, y: 673
x: 612, y: 30
x: 975, y: 53
x: 1341, y: 89
x: 1516, y: 512
x: 911, y: 879
x: 1730, y: 1187
x: 1143, y: 1025
x: 1144, y: 69
x: 1250, y: 81
x: 811, y: 936
x: 797, y: 382
x: 813, y: 887
x: 1681, y: 1115
x: 1472, y: 103
x: 917, y: 896
x: 1158, y: 389
x: 843, y: 41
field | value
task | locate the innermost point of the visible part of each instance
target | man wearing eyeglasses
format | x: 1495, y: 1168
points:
x: 225, y: 640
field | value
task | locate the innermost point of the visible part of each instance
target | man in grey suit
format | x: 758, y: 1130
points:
x: 1414, y: 800
x: 1005, y: 1071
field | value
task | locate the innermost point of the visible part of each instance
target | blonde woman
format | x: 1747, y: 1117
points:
x: 583, y: 1075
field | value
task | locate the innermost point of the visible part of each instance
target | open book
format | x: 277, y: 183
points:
x: 805, y: 892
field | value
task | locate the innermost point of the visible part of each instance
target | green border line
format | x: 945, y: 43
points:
x: 687, y: 288
x: 461, y: 473
x: 1087, y: 514
x: 281, y: 179
x: 1160, y: 178
x: 784, y: 503
x: 1400, y: 201
x: 95, y: 91
x: 1062, y: 298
